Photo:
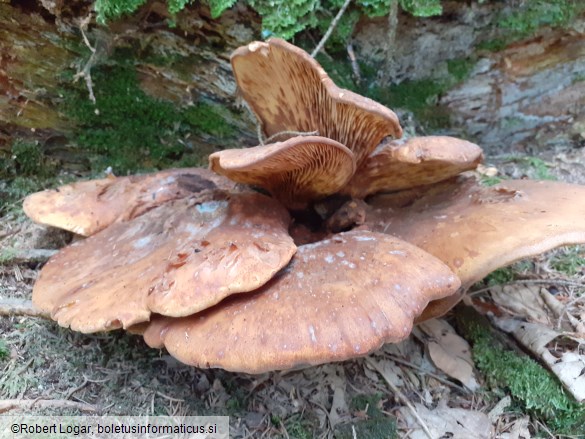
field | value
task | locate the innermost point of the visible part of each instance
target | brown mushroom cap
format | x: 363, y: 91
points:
x: 297, y: 171
x: 339, y: 298
x: 289, y: 91
x: 415, y: 162
x: 87, y: 207
x: 476, y: 230
x: 177, y: 259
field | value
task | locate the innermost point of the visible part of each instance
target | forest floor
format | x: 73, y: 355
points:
x: 117, y: 374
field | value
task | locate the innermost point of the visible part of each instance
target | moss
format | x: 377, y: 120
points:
x: 533, y: 388
x: 26, y: 158
x: 494, y: 45
x: 339, y: 70
x: 536, y: 167
x: 209, y: 119
x: 460, y: 68
x: 4, y: 350
x: 570, y: 261
x: 298, y: 428
x: 130, y: 130
x: 534, y: 14
x: 6, y: 254
x: 377, y: 425
x: 485, y: 180
x: 500, y: 276
x: 419, y: 96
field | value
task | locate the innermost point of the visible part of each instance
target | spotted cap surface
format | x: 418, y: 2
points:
x: 339, y: 298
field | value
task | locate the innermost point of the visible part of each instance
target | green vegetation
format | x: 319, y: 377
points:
x: 500, y: 276
x: 536, y: 166
x: 532, y: 387
x: 494, y: 45
x: 4, y: 351
x: 486, y: 180
x: 570, y: 260
x: 529, y: 16
x: 130, y: 130
x: 26, y: 158
x: 285, y: 19
x: 419, y: 96
x: 298, y: 428
x: 376, y: 424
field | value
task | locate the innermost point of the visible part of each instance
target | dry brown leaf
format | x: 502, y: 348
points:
x: 453, y: 423
x: 535, y: 337
x: 449, y: 352
x: 522, y: 300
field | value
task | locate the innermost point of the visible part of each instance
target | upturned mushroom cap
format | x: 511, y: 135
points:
x: 289, y: 91
x: 89, y: 206
x: 339, y: 298
x: 418, y: 161
x: 296, y: 172
x: 177, y: 259
x: 476, y: 230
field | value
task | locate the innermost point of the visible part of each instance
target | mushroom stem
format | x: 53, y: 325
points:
x: 330, y: 30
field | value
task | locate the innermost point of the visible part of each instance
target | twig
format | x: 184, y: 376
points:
x: 31, y: 256
x: 331, y: 28
x: 560, y: 310
x: 566, y: 283
x: 424, y: 372
x: 354, y: 65
x: 390, y: 63
x: 77, y: 389
x: 400, y: 395
x: 20, y: 307
x: 27, y: 404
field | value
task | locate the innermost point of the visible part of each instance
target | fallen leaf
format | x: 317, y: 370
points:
x: 449, y: 352
x: 523, y: 301
x: 453, y: 423
x: 535, y: 337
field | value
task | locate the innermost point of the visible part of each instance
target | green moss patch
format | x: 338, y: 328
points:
x: 130, y: 130
x: 375, y: 425
x: 533, y: 388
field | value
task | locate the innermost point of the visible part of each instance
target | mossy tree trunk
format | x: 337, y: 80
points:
x: 54, y: 59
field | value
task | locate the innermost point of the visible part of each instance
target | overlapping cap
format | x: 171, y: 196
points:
x: 87, y: 207
x: 338, y: 298
x: 418, y: 161
x: 476, y: 229
x: 177, y: 259
x: 296, y: 172
x: 289, y: 91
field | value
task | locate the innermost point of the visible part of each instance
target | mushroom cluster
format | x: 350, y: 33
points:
x: 319, y: 247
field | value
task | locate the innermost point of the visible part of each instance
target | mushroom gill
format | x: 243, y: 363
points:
x: 289, y: 91
x: 296, y: 172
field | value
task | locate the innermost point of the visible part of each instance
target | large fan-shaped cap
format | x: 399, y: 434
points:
x: 289, y: 91
x: 339, y: 298
x: 476, y: 230
x: 177, y: 259
x: 87, y: 207
x: 416, y: 162
x: 297, y: 171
